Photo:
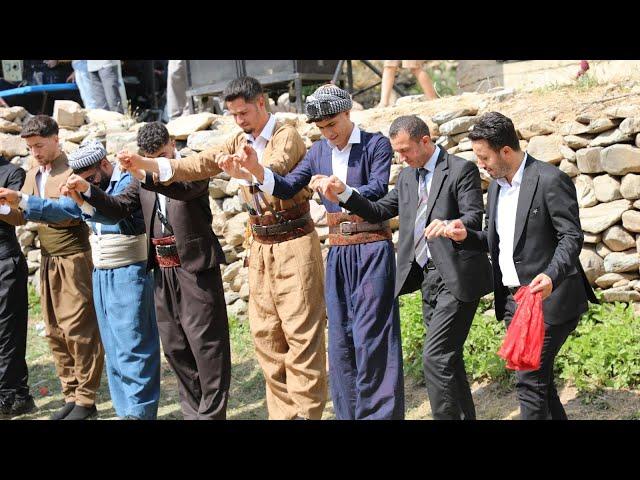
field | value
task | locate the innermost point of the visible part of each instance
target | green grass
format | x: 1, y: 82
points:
x: 444, y: 80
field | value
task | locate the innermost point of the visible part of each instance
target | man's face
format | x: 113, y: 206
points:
x: 100, y: 175
x: 414, y: 152
x: 337, y: 129
x: 44, y: 149
x: 167, y: 151
x: 247, y: 115
x: 494, y: 162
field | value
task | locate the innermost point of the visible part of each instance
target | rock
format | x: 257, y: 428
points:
x: 465, y: 146
x: 310, y: 130
x: 536, y: 128
x: 231, y: 271
x: 218, y: 223
x: 13, y: 146
x: 503, y: 94
x: 592, y: 264
x: 182, y: 127
x: 609, y: 138
x: 232, y: 206
x: 75, y: 136
x: 69, y: 147
x: 98, y: 115
x: 585, y: 118
x: 569, y: 168
x: 407, y: 99
x: 546, y: 148
x: 618, y: 239
x: 234, y: 229
x: 292, y: 119
x: 239, y: 308
x: 620, y: 159
x: 589, y: 160
x: 318, y: 214
x: 602, y: 250
x: 9, y: 127
x: 612, y: 295
x: 460, y: 137
x: 26, y: 238
x: 230, y: 297
x: 445, y: 142
x: 232, y: 187
x: 630, y: 126
x: 585, y: 191
x: 637, y: 142
x: 68, y: 113
x: 599, y: 125
x: 599, y: 218
x: 630, y: 186
x: 631, y: 220
x: 230, y: 254
x: 592, y: 238
x: 609, y: 279
x: 607, y: 188
x: 204, y: 139
x: 118, y: 141
x: 217, y: 188
x: 458, y: 125
x: 11, y: 114
x: 470, y: 156
x: 32, y: 267
x: 636, y: 204
x: 572, y: 128
x: 620, y: 283
x: 244, y: 291
x: 576, y: 142
x: 240, y: 280
x: 568, y: 153
x: 618, y: 262
x: 395, y: 172
x: 622, y: 111
x: 447, y: 116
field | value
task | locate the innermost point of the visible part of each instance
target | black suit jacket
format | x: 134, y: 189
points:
x: 455, y: 193
x: 548, y: 239
x: 11, y: 176
x: 188, y: 212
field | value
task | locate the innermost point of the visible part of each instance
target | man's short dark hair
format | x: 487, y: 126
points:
x: 152, y: 137
x: 497, y: 130
x: 247, y: 88
x: 415, y: 127
x: 40, y: 126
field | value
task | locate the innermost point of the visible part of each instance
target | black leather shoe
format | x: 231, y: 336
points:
x: 82, y: 413
x: 22, y: 406
x: 63, y: 412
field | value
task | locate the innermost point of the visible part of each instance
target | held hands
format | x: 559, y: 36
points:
x: 231, y: 165
x: 129, y: 161
x: 248, y: 158
x: 453, y: 229
x: 77, y: 183
x: 543, y: 284
x: 9, y: 197
x: 329, y: 187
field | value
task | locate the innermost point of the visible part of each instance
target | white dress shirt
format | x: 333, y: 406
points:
x: 41, y: 181
x: 506, y: 224
x: 164, y: 166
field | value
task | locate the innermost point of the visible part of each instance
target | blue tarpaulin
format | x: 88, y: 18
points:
x: 51, y: 87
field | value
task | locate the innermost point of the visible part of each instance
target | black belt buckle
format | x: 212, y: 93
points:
x: 430, y: 265
x: 166, y: 250
x: 342, y: 232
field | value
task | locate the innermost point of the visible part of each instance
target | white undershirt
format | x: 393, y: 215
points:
x: 506, y: 225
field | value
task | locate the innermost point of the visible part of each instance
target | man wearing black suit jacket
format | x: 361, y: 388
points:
x: 436, y: 187
x: 532, y: 230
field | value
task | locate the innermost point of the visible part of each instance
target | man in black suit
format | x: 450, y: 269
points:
x: 14, y: 390
x: 186, y: 256
x: 436, y: 187
x: 532, y: 230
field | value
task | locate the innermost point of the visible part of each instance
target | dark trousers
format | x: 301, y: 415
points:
x: 13, y: 328
x: 448, y: 321
x: 536, y: 389
x: 194, y: 330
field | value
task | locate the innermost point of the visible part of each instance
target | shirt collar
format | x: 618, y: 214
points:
x: 517, y: 178
x: 267, y: 131
x: 45, y: 168
x: 431, y: 163
x: 355, y: 137
x: 116, y: 175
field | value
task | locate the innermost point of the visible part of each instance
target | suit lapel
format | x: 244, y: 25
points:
x: 439, y: 174
x: 527, y: 190
x: 494, y: 189
x: 326, y: 164
x: 354, y: 167
x: 411, y: 184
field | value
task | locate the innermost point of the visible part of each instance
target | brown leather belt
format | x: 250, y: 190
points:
x: 284, y: 225
x: 346, y: 229
x: 166, y: 251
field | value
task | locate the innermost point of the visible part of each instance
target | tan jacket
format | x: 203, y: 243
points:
x: 283, y: 152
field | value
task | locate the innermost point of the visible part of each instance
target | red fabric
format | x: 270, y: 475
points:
x: 522, y: 345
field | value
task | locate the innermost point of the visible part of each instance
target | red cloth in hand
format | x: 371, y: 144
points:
x: 522, y: 345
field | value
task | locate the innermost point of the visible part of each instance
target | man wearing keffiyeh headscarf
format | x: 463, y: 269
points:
x: 365, y: 352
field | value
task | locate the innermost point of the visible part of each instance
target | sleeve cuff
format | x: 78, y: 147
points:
x: 269, y: 182
x: 346, y: 194
x: 164, y: 169
x: 24, y: 201
x: 87, y: 194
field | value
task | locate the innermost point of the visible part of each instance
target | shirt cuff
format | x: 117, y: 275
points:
x: 23, y: 201
x: 268, y: 183
x: 346, y: 194
x: 87, y: 209
x: 165, y: 170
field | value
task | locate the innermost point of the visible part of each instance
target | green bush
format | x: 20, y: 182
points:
x: 412, y: 331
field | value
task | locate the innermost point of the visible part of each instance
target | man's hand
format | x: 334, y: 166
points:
x: 77, y: 183
x: 331, y: 187
x: 129, y: 161
x: 436, y: 228
x: 316, y: 182
x: 71, y: 78
x: 75, y: 196
x: 543, y: 284
x: 455, y: 230
x: 8, y: 196
x: 230, y: 164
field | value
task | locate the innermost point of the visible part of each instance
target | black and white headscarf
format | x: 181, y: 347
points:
x: 86, y: 155
x: 326, y: 101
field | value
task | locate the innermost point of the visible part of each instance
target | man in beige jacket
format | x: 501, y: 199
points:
x: 286, y: 275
